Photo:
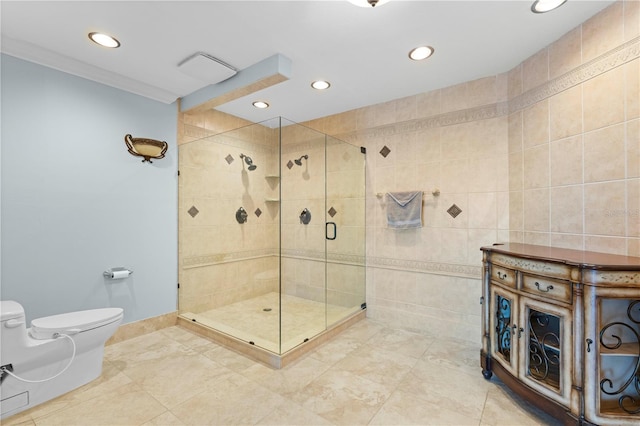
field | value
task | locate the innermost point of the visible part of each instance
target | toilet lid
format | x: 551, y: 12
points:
x: 74, y: 322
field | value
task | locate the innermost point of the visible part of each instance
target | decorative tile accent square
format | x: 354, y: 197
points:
x: 290, y: 164
x: 385, y: 151
x: 454, y: 211
x: 229, y: 159
x: 258, y: 212
x: 193, y: 211
x: 332, y: 212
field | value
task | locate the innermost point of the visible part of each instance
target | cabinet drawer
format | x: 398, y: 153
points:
x: 503, y: 276
x: 553, y: 289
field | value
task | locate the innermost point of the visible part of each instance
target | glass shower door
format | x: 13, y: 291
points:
x: 345, y: 230
x: 303, y: 252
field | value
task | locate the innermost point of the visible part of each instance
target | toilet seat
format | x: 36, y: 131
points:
x: 73, y: 322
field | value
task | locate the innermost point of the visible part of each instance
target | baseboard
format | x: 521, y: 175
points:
x: 145, y: 326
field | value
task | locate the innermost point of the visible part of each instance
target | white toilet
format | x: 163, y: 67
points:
x: 55, y: 355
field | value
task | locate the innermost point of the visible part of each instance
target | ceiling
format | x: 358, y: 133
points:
x: 363, y: 52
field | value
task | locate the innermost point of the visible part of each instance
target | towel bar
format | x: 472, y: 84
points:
x: 435, y: 193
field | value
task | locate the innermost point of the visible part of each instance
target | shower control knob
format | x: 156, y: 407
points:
x: 305, y: 217
x: 241, y: 215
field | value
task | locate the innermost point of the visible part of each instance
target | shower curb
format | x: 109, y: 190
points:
x: 268, y: 358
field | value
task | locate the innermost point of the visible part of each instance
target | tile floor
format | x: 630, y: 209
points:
x: 369, y: 374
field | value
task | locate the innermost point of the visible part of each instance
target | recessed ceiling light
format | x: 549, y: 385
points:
x: 320, y: 84
x: 542, y: 6
x: 104, y: 40
x: 368, y: 3
x: 260, y: 104
x: 421, y: 52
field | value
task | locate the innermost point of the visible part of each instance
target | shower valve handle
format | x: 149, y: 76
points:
x: 241, y: 215
x: 305, y: 217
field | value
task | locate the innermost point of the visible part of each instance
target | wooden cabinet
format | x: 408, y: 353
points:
x: 561, y: 328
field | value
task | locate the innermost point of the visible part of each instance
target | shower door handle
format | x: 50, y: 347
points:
x: 326, y: 230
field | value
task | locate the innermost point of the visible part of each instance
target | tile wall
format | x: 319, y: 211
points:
x: 546, y: 153
x: 574, y: 169
x: 221, y: 261
x: 303, y: 187
x: 453, y: 140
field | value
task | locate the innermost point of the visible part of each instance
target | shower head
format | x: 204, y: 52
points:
x: 299, y: 160
x: 249, y: 162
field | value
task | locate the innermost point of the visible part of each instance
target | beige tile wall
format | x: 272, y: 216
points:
x: 454, y: 140
x: 221, y: 261
x: 546, y: 153
x: 573, y: 138
x: 333, y: 168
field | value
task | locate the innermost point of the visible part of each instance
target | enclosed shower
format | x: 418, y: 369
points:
x: 271, y: 235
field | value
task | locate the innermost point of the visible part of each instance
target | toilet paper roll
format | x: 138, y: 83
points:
x: 118, y: 275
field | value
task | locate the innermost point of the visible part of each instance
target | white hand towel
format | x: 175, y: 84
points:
x: 404, y: 209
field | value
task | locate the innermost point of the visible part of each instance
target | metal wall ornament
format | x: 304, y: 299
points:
x: 146, y: 148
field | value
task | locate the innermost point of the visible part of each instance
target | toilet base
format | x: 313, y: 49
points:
x: 17, y: 396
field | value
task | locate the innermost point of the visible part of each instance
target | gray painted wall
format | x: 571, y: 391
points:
x: 75, y: 202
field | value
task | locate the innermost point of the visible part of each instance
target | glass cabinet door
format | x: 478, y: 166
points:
x: 618, y: 347
x: 546, y: 348
x: 502, y: 322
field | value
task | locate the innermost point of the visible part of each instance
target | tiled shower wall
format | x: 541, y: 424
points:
x: 303, y: 274
x: 335, y: 169
x: 221, y: 261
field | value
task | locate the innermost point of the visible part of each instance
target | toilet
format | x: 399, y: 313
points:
x: 56, y: 354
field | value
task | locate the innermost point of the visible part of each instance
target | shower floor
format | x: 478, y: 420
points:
x: 257, y: 320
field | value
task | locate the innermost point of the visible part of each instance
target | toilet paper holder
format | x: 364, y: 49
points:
x: 117, y: 273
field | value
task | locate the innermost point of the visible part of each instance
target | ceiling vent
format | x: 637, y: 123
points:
x: 206, y: 68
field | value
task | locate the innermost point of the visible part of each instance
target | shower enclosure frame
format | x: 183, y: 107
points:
x: 287, y: 171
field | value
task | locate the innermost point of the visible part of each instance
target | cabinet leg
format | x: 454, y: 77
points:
x: 485, y: 363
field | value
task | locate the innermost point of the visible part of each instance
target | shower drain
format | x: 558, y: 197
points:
x: 267, y: 309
